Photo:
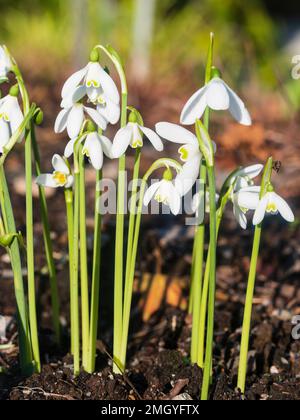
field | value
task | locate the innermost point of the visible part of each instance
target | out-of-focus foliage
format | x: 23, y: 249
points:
x: 43, y: 33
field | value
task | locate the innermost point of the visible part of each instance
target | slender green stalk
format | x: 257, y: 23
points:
x: 242, y: 374
x: 95, y: 278
x: 202, y: 321
x: 130, y: 279
x: 75, y: 280
x: 132, y: 215
x: 129, y: 287
x: 248, y: 311
x: 69, y: 199
x: 198, y: 258
x: 198, y: 275
x: 85, y: 311
x: 30, y: 253
x: 47, y: 243
x: 22, y: 315
x: 212, y: 285
x: 119, y: 250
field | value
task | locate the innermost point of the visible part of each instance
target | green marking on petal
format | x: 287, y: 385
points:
x: 184, y: 153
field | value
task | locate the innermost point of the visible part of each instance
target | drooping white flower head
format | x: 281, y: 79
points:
x: 11, y: 117
x: 72, y: 119
x: 164, y: 192
x: 200, y: 206
x: 95, y: 147
x: 273, y: 204
x: 61, y: 176
x: 218, y: 96
x: 5, y: 63
x: 99, y: 87
x: 132, y: 135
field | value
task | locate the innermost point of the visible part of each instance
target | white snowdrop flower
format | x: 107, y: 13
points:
x: 61, y: 176
x: 97, y: 84
x: 132, y: 135
x: 273, y: 204
x: 95, y: 147
x: 5, y: 63
x: 218, y: 96
x: 165, y: 192
x: 72, y: 118
x: 11, y: 117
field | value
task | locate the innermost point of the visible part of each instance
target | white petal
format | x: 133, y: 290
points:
x: 16, y: 116
x: 175, y: 133
x: 154, y: 138
x: 96, y: 117
x: 151, y: 192
x: 238, y: 109
x: 4, y: 134
x: 248, y: 200
x: 195, y: 107
x: 283, y: 208
x: 106, y: 146
x: 261, y: 210
x: 121, y: 141
x: 72, y: 82
x: 94, y: 147
x: 75, y: 120
x: 109, y: 87
x: 60, y: 165
x: 217, y: 96
x: 188, y: 175
x: 240, y: 217
x: 79, y: 93
x: 61, y: 121
x: 69, y: 150
x: 111, y: 111
x: 175, y: 200
x: 70, y: 181
x: 198, y: 206
x: 251, y: 171
x: 46, y: 180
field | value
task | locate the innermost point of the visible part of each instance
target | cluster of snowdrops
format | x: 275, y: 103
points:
x: 90, y: 102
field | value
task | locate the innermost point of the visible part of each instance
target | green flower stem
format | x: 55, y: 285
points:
x: 22, y: 315
x: 75, y: 280
x: 69, y: 199
x: 119, y: 240
x: 198, y: 257
x: 197, y: 272
x: 119, y: 250
x: 30, y: 253
x: 129, y: 287
x: 212, y: 284
x: 95, y: 278
x: 47, y: 244
x: 132, y: 218
x: 202, y: 322
x: 85, y: 311
x: 242, y: 374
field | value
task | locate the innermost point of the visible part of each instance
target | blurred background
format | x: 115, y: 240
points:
x: 164, y: 45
